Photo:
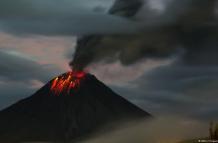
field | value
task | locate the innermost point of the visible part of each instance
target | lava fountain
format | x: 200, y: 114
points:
x: 67, y: 82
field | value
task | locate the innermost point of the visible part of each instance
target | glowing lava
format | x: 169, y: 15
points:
x: 67, y: 82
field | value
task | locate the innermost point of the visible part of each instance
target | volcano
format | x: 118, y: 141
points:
x: 67, y: 108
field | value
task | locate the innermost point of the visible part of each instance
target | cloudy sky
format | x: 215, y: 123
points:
x: 38, y: 39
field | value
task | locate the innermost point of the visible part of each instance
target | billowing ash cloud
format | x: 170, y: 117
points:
x: 188, y: 24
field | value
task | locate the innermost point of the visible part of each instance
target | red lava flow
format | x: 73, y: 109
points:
x: 67, y: 82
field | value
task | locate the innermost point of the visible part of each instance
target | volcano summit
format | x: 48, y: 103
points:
x: 67, y: 82
x: 69, y: 107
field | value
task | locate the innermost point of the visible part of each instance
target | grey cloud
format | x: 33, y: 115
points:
x: 177, y: 90
x: 11, y: 92
x: 81, y: 24
x: 203, y: 52
x: 48, y: 8
x: 18, y: 68
x: 17, y: 76
x: 61, y: 18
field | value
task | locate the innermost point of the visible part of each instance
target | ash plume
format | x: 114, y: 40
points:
x: 161, y: 130
x: 186, y: 24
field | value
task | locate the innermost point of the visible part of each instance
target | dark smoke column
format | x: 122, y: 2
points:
x: 85, y: 54
x: 191, y: 26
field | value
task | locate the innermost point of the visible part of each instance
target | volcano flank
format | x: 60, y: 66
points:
x: 67, y: 108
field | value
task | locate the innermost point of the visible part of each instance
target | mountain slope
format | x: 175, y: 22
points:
x: 46, y: 116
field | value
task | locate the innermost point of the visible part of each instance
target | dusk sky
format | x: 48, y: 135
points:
x: 38, y: 40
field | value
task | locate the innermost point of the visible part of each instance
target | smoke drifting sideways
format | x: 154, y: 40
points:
x: 162, y: 130
x: 188, y: 24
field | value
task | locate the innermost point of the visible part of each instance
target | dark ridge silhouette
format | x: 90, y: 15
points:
x: 46, y: 116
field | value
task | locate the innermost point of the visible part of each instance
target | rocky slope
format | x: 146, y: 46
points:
x: 46, y: 116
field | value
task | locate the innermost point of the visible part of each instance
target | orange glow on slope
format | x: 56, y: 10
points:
x: 67, y: 82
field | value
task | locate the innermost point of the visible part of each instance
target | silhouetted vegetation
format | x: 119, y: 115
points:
x: 213, y: 134
x: 213, y: 131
